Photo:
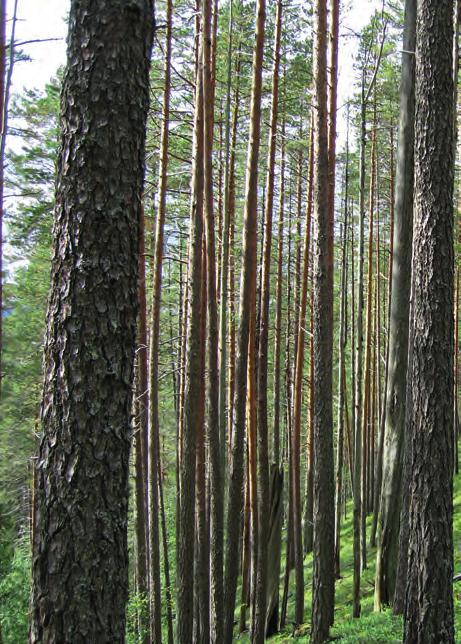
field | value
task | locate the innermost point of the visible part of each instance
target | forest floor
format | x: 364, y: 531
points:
x: 372, y: 627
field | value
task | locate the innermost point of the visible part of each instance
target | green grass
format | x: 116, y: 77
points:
x: 371, y: 627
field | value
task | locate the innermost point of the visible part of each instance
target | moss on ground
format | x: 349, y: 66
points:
x: 371, y: 627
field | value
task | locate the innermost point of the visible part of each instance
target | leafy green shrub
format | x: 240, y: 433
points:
x: 14, y: 597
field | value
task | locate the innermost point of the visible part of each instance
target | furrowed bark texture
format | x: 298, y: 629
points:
x: 429, y: 594
x: 80, y: 562
x: 324, y: 521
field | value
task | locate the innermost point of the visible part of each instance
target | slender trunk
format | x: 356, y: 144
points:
x: 247, y: 300
x: 202, y: 546
x: 323, y: 586
x: 287, y: 441
x: 358, y: 499
x: 388, y: 524
x: 278, y: 314
x: 214, y: 455
x: 368, y: 351
x: 259, y: 627
x: 246, y: 555
x: 225, y: 243
x: 166, y: 559
x: 192, y: 386
x: 276, y: 545
x: 142, y: 438
x: 231, y: 295
x: 382, y: 419
x: 309, y: 502
x: 296, y: 431
x: 341, y: 388
x: 154, y: 430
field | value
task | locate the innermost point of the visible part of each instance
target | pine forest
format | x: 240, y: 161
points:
x: 229, y: 324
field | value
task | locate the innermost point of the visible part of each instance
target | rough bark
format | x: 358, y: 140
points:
x: 428, y: 613
x: 80, y: 561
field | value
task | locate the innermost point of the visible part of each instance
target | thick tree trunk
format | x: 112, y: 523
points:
x: 429, y: 595
x: 324, y: 520
x: 82, y: 470
x: 388, y: 523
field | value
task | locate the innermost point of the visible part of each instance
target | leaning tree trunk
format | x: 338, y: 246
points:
x: 324, y: 520
x: 82, y: 470
x: 429, y: 594
x: 389, y: 519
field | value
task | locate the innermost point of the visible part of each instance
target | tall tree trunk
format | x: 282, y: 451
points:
x: 224, y: 282
x: 82, y: 469
x: 388, y: 524
x: 324, y: 520
x: 428, y: 613
x: 342, y: 390
x: 278, y: 314
x: 259, y: 629
x: 382, y: 418
x: 154, y: 428
x: 192, y: 385
x: 247, y: 300
x: 366, y: 416
x: 297, y: 405
x: 275, y: 528
x: 166, y: 559
x: 214, y: 455
x: 202, y: 546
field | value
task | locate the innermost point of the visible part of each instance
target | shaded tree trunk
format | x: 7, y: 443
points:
x: 428, y: 613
